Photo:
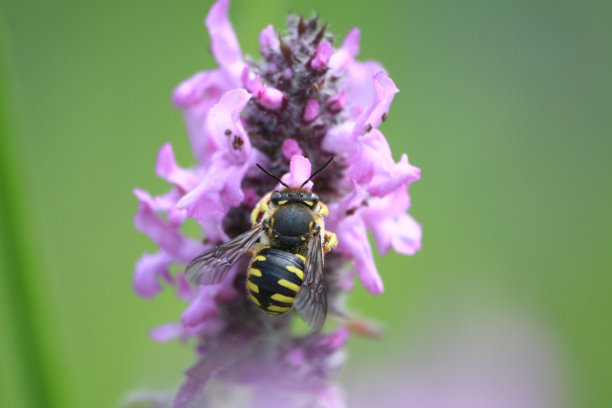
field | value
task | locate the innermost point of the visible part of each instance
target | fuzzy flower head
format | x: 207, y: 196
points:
x: 303, y: 102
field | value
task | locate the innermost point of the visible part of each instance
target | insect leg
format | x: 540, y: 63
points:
x: 323, y: 210
x: 260, y: 208
x: 330, y: 240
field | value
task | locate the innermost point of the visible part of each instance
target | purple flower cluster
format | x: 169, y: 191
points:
x: 303, y: 102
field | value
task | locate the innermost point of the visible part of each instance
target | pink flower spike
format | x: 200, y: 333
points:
x: 299, y: 172
x: 311, y: 111
x: 301, y: 101
x: 324, y: 51
x: 291, y: 148
x: 347, y: 53
x: 224, y: 43
x: 268, y: 39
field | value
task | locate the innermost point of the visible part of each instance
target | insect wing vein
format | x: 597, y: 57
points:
x: 212, y: 265
x: 311, y: 301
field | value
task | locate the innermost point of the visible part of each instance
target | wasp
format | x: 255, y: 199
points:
x: 287, y: 242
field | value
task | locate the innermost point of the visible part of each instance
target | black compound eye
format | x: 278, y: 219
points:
x: 275, y: 197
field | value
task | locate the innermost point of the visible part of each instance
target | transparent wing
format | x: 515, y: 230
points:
x: 211, y: 266
x: 311, y: 301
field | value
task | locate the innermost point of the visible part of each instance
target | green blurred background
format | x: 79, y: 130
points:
x: 505, y: 106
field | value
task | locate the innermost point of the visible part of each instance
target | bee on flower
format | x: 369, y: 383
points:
x: 288, y: 113
x: 287, y: 242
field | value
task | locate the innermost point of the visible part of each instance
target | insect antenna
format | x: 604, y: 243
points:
x: 271, y: 175
x: 318, y: 171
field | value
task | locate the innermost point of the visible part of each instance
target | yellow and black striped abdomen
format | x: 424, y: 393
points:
x: 274, y: 278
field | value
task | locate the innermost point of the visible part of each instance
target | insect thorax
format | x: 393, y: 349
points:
x: 291, y: 226
x: 274, y: 278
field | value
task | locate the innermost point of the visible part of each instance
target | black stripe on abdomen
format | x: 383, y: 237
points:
x: 274, y: 278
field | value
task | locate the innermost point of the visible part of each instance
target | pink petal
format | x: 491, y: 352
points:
x: 340, y: 139
x: 213, y: 226
x: 224, y: 43
x: 408, y: 235
x: 225, y: 117
x: 195, y: 97
x: 400, y: 174
x: 171, y: 331
x: 351, y: 202
x: 251, y: 197
x: 201, y: 309
x: 390, y: 224
x: 311, y: 111
x: 291, y: 147
x: 205, y: 201
x: 164, y: 235
x: 166, y: 332
x: 147, y: 271
x: 322, y: 55
x: 183, y: 289
x: 373, y: 155
x: 250, y: 82
x: 167, y: 169
x: 335, y: 340
x: 267, y: 96
x: 331, y: 396
x: 165, y: 203
x: 219, y: 355
x: 373, y: 166
x: 347, y: 53
x: 270, y: 97
x: 287, y: 73
x: 201, y: 87
x: 359, y: 87
x: 338, y: 101
x: 268, y: 39
x: 299, y: 171
x: 353, y: 241
x: 226, y: 291
x: 296, y: 358
x: 373, y: 115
